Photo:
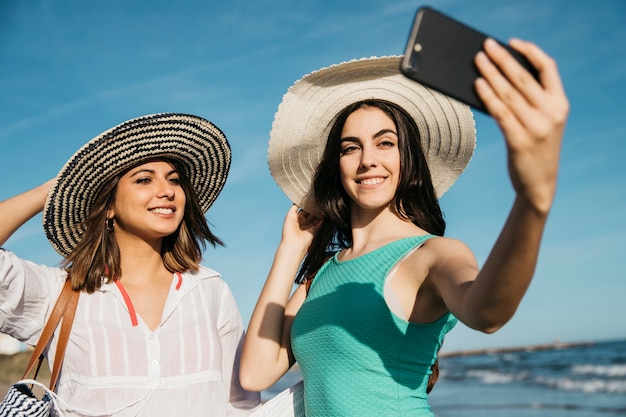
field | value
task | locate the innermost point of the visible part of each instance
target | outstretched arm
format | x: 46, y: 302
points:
x: 532, y: 117
x: 267, y: 352
x: 17, y: 210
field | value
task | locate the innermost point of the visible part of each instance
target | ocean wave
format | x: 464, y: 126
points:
x: 593, y: 385
x: 496, y: 377
x: 600, y: 370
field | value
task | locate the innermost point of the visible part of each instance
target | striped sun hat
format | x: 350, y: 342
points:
x: 198, y: 144
x: 308, y: 110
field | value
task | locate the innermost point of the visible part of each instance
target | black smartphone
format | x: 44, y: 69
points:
x: 440, y: 54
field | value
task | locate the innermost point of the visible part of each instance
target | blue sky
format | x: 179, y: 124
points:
x: 71, y: 69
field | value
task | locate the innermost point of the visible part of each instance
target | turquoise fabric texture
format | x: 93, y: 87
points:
x: 358, y: 358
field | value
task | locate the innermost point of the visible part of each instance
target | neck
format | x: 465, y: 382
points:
x: 371, y: 230
x: 141, y: 260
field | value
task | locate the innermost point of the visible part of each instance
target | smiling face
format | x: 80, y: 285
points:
x: 149, y: 202
x: 369, y: 162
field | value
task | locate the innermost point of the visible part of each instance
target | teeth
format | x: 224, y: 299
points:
x: 163, y: 210
x: 371, y: 181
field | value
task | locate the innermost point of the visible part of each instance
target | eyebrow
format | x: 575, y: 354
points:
x: 151, y: 171
x: 377, y: 135
x: 384, y: 132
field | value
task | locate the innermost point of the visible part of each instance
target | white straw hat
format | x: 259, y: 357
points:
x: 308, y: 110
x: 198, y: 144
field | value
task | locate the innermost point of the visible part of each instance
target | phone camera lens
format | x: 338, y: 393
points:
x: 414, y: 59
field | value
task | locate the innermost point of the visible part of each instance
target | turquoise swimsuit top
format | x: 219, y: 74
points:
x: 358, y: 358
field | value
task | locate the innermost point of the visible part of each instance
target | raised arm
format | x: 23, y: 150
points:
x: 532, y: 117
x: 267, y: 352
x: 17, y: 210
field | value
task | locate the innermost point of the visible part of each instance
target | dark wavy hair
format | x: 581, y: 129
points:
x: 96, y: 258
x: 415, y: 198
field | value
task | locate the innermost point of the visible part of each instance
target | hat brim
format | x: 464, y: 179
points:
x: 200, y: 146
x: 308, y: 110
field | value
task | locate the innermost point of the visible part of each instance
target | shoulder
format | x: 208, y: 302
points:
x: 208, y: 278
x: 213, y: 295
x: 446, y: 244
x: 448, y: 261
x: 204, y: 272
x: 440, y: 252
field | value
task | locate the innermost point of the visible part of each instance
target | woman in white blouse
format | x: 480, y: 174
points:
x: 155, y: 333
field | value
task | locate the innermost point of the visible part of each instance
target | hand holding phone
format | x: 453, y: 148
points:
x: 440, y: 54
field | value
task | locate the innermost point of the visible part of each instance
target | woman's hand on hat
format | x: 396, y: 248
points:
x: 300, y: 227
x: 531, y: 114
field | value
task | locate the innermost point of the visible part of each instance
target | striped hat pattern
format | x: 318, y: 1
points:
x: 198, y: 144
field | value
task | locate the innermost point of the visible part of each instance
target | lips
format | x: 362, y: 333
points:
x: 370, y: 181
x: 162, y: 210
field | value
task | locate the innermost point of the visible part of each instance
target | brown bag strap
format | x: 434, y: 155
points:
x: 64, y: 336
x: 66, y: 303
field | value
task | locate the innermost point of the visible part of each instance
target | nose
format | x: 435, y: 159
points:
x: 165, y: 189
x: 368, y: 157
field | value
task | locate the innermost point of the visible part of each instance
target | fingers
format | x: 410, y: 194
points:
x: 307, y: 220
x: 514, y: 73
x: 511, y: 94
x: 299, y: 224
x: 304, y: 218
x: 508, y: 87
x: 492, y: 98
x: 545, y: 65
x: 531, y: 114
x: 552, y: 100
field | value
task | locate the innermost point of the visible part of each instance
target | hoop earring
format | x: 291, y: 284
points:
x: 108, y: 223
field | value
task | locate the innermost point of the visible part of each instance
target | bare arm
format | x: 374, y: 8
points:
x: 17, y: 210
x: 532, y: 117
x: 267, y: 352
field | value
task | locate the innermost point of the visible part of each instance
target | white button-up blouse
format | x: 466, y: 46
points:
x: 115, y: 365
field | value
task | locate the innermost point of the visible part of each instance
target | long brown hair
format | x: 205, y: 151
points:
x: 96, y: 258
x: 415, y: 198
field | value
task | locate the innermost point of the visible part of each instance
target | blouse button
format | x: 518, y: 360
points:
x: 154, y: 362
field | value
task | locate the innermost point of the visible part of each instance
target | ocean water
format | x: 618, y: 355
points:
x: 587, y: 381
x: 582, y: 381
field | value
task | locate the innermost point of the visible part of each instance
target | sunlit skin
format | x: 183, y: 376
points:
x: 370, y: 160
x: 443, y: 275
x: 149, y: 203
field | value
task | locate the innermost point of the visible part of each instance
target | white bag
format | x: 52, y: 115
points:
x: 289, y: 403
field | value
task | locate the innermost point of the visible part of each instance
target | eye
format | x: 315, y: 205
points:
x: 174, y: 180
x: 144, y: 180
x: 387, y: 143
x: 349, y: 149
